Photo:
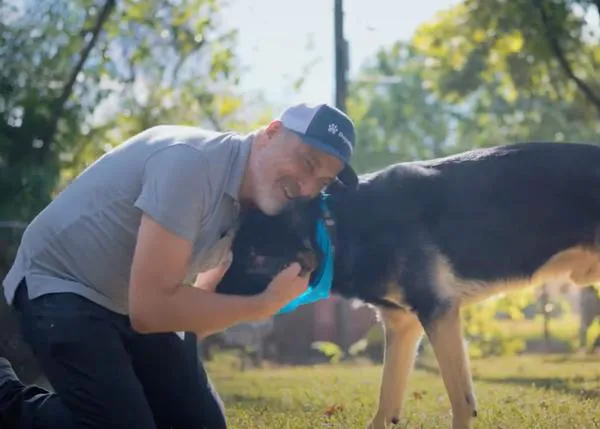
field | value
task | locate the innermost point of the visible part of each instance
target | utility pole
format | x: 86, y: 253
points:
x: 341, y: 92
x: 341, y: 56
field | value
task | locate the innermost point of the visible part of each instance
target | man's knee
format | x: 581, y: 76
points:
x: 80, y: 349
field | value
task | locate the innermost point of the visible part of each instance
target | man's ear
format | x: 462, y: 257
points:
x: 273, y: 128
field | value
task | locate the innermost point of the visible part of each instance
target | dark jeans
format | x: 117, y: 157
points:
x: 106, y: 375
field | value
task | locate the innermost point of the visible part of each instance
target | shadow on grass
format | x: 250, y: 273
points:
x: 557, y: 384
x: 257, y: 403
x: 565, y: 358
x: 246, y: 400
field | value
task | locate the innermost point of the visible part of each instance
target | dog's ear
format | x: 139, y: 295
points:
x: 335, y: 187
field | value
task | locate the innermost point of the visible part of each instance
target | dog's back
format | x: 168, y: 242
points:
x: 521, y: 212
x: 470, y: 225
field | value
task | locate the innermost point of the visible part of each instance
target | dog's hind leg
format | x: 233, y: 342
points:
x: 402, y: 334
x: 445, y: 335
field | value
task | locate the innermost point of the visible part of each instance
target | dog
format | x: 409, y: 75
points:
x: 418, y: 240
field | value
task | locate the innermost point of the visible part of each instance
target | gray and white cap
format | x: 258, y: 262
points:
x: 326, y: 128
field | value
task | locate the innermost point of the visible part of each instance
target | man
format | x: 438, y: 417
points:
x: 100, y: 279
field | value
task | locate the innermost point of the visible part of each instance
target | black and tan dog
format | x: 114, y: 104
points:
x: 420, y: 239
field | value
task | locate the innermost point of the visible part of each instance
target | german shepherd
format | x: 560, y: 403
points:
x: 417, y: 240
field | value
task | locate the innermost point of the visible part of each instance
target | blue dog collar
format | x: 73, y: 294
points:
x: 320, y: 288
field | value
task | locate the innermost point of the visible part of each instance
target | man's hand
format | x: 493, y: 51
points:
x: 160, y: 302
x: 209, y: 280
x: 284, y: 287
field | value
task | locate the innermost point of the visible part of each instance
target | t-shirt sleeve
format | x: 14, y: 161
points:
x: 175, y: 190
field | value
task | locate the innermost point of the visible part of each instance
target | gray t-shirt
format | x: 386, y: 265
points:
x: 185, y: 178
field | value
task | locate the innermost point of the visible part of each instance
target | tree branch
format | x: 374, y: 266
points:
x: 184, y: 58
x: 593, y: 59
x: 597, y: 4
x: 61, y: 101
x: 562, y: 59
x: 210, y: 116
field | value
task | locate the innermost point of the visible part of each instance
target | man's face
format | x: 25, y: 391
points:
x: 288, y: 169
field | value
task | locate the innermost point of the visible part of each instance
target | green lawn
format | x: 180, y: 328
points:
x: 516, y: 392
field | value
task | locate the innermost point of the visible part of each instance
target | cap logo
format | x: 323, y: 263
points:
x: 333, y: 129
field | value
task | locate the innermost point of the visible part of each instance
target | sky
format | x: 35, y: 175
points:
x: 278, y: 40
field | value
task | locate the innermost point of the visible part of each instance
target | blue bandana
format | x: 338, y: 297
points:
x: 320, y: 287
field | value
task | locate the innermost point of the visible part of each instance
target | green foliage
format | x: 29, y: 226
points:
x: 513, y: 323
x: 333, y: 351
x: 497, y: 62
x: 398, y: 119
x: 482, y: 73
x: 483, y: 330
x: 593, y: 333
x: 78, y: 77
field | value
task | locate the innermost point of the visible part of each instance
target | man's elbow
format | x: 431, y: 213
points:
x: 141, y: 321
x: 141, y: 324
x: 142, y: 318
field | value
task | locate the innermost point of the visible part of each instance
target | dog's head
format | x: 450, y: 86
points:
x: 264, y: 245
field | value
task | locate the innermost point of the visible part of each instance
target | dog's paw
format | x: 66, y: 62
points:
x: 381, y: 422
x: 458, y: 423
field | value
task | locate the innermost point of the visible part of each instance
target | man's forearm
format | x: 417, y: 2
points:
x: 186, y: 308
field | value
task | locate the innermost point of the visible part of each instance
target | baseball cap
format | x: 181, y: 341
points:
x: 326, y: 128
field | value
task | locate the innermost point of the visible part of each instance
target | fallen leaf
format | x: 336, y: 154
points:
x: 419, y: 394
x: 333, y: 409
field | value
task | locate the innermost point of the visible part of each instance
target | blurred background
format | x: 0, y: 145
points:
x: 420, y: 79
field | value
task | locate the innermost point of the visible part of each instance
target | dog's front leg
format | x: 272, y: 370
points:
x: 445, y: 334
x: 402, y: 334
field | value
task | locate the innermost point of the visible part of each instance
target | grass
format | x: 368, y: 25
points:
x: 516, y: 392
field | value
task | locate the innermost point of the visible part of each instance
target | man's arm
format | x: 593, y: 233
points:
x: 158, y: 300
x: 175, y: 195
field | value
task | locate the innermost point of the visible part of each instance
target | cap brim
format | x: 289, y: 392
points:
x: 347, y: 176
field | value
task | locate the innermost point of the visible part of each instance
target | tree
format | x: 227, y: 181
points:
x: 398, y: 118
x: 79, y: 76
x: 516, y: 70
